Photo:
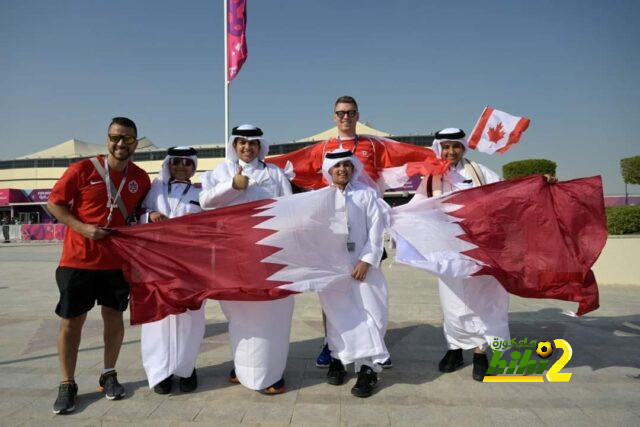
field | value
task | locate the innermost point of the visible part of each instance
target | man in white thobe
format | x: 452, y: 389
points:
x: 170, y: 346
x: 357, y: 313
x: 475, y: 309
x: 258, y: 330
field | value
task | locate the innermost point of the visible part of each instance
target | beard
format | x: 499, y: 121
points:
x: 121, y: 154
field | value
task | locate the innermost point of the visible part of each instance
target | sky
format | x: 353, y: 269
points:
x: 572, y: 66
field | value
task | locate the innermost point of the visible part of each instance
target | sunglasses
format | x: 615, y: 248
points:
x: 184, y: 161
x: 350, y: 113
x: 128, y: 139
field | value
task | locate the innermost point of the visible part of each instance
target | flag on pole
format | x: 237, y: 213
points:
x: 497, y: 131
x: 255, y: 251
x: 236, y: 36
x: 538, y: 240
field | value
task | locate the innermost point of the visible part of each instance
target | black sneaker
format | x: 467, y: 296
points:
x: 336, y: 373
x: 480, y: 366
x: 367, y: 380
x: 164, y: 386
x: 66, y: 400
x: 451, y: 361
x: 187, y: 385
x: 110, y: 386
x: 387, y: 364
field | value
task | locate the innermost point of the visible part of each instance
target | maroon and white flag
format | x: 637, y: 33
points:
x: 255, y: 251
x: 236, y: 36
x: 497, y: 131
x: 538, y: 240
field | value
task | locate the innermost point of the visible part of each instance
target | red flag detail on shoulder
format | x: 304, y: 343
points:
x: 256, y: 251
x: 538, y: 240
x: 497, y: 131
x: 387, y: 162
x: 236, y: 36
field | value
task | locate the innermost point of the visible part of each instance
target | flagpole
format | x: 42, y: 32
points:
x: 226, y: 82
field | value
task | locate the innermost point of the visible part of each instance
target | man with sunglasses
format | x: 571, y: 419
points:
x: 170, y: 346
x: 91, y: 197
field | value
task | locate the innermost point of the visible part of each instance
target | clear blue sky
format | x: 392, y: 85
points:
x: 573, y: 67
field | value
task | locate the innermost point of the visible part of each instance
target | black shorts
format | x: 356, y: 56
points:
x: 80, y: 289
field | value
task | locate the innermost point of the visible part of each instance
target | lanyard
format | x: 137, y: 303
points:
x: 173, y: 209
x: 113, y: 201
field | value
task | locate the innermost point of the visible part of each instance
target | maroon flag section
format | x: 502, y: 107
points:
x: 538, y: 240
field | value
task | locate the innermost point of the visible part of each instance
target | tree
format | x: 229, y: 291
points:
x: 528, y: 167
x: 630, y: 174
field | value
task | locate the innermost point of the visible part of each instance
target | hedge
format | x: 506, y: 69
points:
x: 522, y: 168
x: 623, y: 219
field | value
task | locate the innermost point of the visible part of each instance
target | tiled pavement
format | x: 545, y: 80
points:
x: 603, y: 390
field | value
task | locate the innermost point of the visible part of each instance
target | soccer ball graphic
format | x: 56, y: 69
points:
x: 544, y: 349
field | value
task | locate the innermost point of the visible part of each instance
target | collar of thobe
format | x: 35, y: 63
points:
x: 248, y: 167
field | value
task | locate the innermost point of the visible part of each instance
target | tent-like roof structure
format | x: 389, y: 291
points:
x: 361, y: 128
x: 76, y: 148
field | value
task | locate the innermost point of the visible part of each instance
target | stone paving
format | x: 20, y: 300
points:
x: 603, y: 390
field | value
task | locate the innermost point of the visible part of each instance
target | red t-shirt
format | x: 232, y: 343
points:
x: 84, y: 189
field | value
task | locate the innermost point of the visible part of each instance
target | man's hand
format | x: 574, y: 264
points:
x: 550, y: 178
x: 155, y: 216
x: 240, y: 182
x: 93, y: 232
x: 360, y: 271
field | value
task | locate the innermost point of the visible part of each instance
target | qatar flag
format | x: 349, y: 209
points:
x: 538, y: 240
x: 236, y: 36
x: 497, y: 131
x: 255, y: 251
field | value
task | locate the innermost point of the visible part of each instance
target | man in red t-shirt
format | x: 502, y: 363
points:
x: 92, y: 196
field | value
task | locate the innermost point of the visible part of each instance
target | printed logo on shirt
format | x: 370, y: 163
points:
x: 133, y: 187
x: 364, y: 152
x: 92, y: 182
x: 521, y: 368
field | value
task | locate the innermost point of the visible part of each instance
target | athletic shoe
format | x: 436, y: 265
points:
x: 451, y: 361
x: 164, y: 386
x: 233, y: 379
x: 66, y: 400
x: 336, y: 373
x: 110, y: 386
x: 187, y: 385
x: 367, y: 380
x: 480, y: 366
x: 275, y: 388
x: 324, y: 358
x: 386, y: 364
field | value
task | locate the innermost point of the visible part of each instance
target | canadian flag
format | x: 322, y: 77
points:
x: 497, y: 131
x: 538, y: 240
x: 255, y: 251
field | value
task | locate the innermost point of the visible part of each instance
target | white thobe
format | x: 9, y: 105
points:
x: 357, y: 313
x: 258, y: 330
x: 476, y: 310
x: 170, y: 346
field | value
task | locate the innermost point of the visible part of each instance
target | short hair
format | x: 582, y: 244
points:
x: 123, y: 121
x: 347, y: 100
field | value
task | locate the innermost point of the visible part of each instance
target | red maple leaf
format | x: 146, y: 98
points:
x: 496, y: 134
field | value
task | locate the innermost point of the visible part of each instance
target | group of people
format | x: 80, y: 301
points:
x: 97, y: 194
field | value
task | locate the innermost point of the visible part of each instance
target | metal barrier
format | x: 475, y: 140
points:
x: 34, y: 232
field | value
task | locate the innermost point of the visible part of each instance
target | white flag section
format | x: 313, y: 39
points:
x: 426, y: 237
x: 497, y: 131
x: 312, y: 232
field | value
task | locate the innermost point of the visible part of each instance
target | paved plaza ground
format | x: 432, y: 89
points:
x: 604, y: 389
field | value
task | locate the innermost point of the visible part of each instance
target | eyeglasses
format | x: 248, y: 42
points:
x: 350, y: 113
x: 128, y: 139
x: 184, y: 161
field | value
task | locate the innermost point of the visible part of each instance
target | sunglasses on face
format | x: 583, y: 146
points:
x: 128, y: 139
x: 175, y: 161
x: 350, y: 113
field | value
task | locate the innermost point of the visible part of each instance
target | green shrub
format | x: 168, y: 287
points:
x: 528, y: 167
x: 631, y: 170
x: 623, y: 219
